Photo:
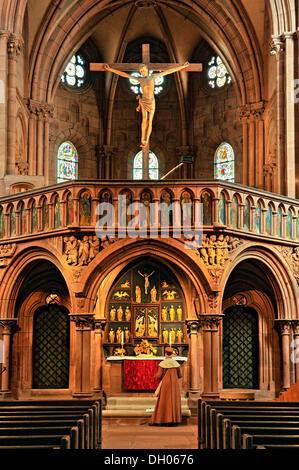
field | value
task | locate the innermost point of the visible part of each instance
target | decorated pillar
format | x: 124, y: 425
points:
x: 193, y: 327
x: 9, y: 326
x: 84, y: 325
x: 285, y: 331
x: 99, y: 326
x: 14, y: 46
x: 210, y: 328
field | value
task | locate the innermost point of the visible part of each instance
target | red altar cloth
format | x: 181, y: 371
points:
x: 139, y: 374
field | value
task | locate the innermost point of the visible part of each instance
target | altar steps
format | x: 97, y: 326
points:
x: 136, y: 407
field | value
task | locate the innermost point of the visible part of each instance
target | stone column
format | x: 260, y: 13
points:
x: 4, y: 35
x: 278, y: 49
x: 99, y: 326
x: 296, y: 348
x: 290, y: 170
x: 84, y: 325
x: 14, y: 46
x: 9, y: 327
x: 285, y: 330
x: 109, y: 154
x: 193, y: 327
x: 210, y: 328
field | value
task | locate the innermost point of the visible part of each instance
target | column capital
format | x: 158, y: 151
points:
x: 109, y: 150
x: 4, y: 34
x: 99, y: 324
x: 295, y: 325
x: 289, y: 35
x: 82, y: 320
x: 9, y: 324
x: 192, y: 326
x: 211, y: 321
x: 40, y: 109
x: 252, y: 110
x: 277, y: 46
x: 284, y: 326
x: 14, y: 45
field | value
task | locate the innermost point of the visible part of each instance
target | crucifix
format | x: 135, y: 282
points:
x: 147, y: 83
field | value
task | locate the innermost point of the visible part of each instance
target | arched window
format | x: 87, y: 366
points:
x: 153, y: 166
x: 67, y: 162
x: 240, y: 348
x: 218, y: 75
x: 75, y: 73
x: 224, y: 163
x: 51, y: 347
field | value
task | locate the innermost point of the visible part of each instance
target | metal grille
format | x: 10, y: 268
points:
x: 240, y: 348
x: 51, y: 348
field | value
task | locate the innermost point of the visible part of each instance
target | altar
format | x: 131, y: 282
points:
x: 139, y: 372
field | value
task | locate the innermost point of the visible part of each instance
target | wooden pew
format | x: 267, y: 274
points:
x: 84, y: 415
x: 238, y: 432
x: 207, y: 422
x: 59, y: 442
x: 270, y: 441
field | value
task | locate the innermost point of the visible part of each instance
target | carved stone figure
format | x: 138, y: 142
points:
x: 112, y: 314
x: 83, y: 251
x: 165, y: 335
x: 179, y: 335
x: 179, y: 313
x: 119, y: 335
x: 71, y: 250
x: 127, y: 335
x: 172, y: 313
x: 154, y: 294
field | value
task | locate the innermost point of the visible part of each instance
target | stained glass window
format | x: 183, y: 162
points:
x: 269, y: 220
x: 279, y: 222
x: 12, y: 222
x: 258, y: 218
x: 67, y: 162
x: 221, y: 210
x: 206, y: 201
x: 224, y: 163
x: 22, y: 219
x: 33, y: 217
x: 289, y: 224
x: 246, y: 215
x: 234, y: 212
x: 218, y: 75
x: 136, y: 88
x: 45, y: 215
x: 153, y: 166
x: 75, y: 72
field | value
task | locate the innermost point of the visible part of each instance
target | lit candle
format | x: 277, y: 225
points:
x: 170, y: 339
x: 122, y: 338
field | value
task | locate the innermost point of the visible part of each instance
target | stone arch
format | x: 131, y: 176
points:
x: 279, y: 277
x: 172, y: 254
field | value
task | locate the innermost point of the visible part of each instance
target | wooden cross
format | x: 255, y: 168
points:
x: 131, y: 67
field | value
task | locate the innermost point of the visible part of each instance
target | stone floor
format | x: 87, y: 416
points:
x: 126, y: 433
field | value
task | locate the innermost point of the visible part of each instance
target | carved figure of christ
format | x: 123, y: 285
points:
x: 147, y: 83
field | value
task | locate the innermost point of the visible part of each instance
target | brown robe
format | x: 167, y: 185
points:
x: 168, y: 405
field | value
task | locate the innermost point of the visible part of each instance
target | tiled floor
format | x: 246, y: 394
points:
x: 137, y: 434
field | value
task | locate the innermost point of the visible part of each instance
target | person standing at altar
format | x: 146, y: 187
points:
x: 168, y: 406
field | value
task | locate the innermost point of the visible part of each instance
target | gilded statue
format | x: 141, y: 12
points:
x: 154, y: 294
x: 120, y: 313
x: 179, y: 313
x: 127, y: 335
x: 146, y: 280
x: 172, y: 313
x: 165, y: 335
x: 119, y: 334
x: 112, y: 314
x: 179, y: 335
x: 138, y: 294
x: 128, y: 313
x: 147, y: 104
x: 164, y: 314
x: 111, y: 336
x: 172, y: 335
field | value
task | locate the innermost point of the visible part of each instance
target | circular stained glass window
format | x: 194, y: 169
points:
x: 75, y: 72
x: 218, y: 75
x: 136, y: 88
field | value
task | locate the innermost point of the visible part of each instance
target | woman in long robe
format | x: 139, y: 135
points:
x: 168, y: 406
